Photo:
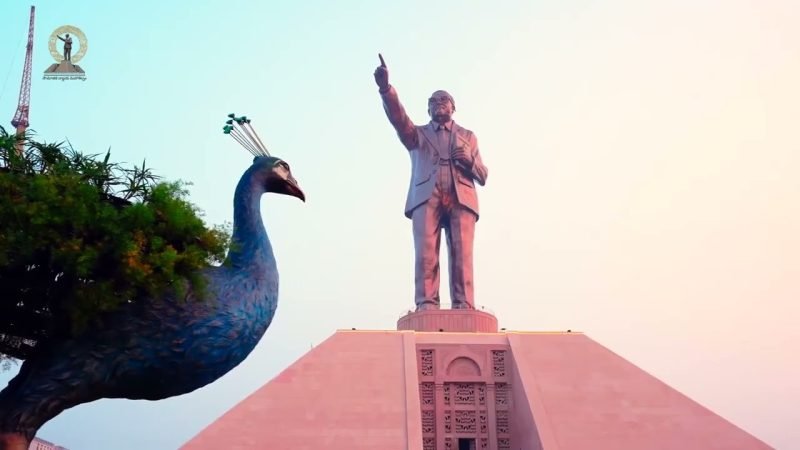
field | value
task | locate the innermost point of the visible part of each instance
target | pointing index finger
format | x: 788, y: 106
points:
x: 383, y: 63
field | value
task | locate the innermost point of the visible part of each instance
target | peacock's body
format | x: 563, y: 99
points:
x: 164, y: 347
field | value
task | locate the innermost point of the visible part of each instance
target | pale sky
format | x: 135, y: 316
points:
x: 643, y: 160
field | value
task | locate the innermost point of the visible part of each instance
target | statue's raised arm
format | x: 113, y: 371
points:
x: 394, y: 110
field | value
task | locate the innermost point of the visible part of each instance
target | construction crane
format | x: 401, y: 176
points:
x: 20, y: 120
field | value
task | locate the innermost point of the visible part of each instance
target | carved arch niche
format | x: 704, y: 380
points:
x: 463, y: 367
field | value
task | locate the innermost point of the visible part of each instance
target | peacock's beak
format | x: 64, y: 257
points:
x: 293, y: 189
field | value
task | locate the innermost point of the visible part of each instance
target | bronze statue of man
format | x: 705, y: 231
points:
x: 67, y: 47
x: 445, y: 164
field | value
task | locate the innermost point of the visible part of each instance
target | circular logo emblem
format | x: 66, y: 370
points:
x: 72, y: 31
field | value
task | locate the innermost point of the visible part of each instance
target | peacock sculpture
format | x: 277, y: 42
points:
x: 164, y: 347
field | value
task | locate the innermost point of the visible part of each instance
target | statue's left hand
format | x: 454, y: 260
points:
x: 460, y: 155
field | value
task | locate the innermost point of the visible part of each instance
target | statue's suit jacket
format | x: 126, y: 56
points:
x: 420, y: 141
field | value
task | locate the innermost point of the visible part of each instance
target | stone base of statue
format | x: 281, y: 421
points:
x: 64, y: 67
x: 64, y: 70
x: 449, y: 320
x: 422, y: 389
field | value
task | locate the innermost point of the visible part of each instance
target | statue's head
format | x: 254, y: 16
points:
x: 276, y: 176
x: 67, y: 34
x: 441, y: 106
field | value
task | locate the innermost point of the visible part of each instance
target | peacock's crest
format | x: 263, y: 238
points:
x: 240, y: 129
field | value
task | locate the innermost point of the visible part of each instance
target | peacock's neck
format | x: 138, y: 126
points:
x: 250, y: 246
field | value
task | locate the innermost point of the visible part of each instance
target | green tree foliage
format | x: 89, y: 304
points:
x: 80, y: 235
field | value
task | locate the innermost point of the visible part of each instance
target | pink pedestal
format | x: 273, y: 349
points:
x: 410, y: 390
x: 449, y: 320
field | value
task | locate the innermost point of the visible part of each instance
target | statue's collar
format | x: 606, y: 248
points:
x: 447, y: 125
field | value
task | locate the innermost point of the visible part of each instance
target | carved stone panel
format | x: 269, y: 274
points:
x: 426, y: 363
x: 446, y: 390
x: 501, y: 395
x: 448, y: 444
x: 481, y: 394
x: 502, y: 422
x: 504, y: 444
x: 464, y: 393
x: 448, y: 424
x: 428, y: 443
x: 428, y: 422
x: 484, y: 444
x: 465, y: 421
x: 426, y: 394
x: 484, y: 419
x: 499, y: 363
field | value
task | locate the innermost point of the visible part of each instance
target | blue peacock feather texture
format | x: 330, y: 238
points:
x: 168, y: 346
